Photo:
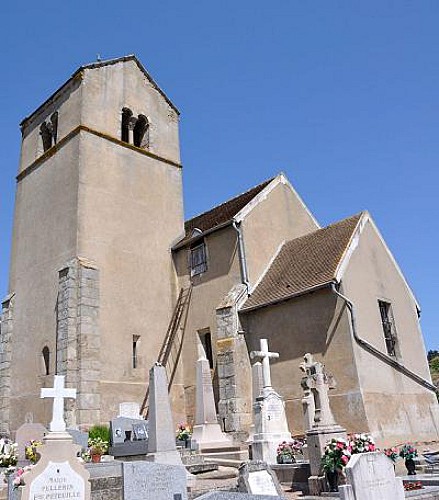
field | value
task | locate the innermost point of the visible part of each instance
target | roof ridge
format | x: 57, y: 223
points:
x: 215, y: 207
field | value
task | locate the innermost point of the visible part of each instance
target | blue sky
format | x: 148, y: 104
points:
x: 342, y: 96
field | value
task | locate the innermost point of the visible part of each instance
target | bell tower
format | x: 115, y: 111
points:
x: 98, y: 206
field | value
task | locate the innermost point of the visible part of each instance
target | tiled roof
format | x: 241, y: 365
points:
x: 222, y: 213
x: 304, y: 263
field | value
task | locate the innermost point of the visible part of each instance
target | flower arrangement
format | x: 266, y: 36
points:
x: 391, y: 453
x: 361, y: 443
x: 183, y: 432
x: 97, y: 446
x: 413, y: 486
x: 30, y: 451
x: 8, y: 453
x: 408, y: 452
x: 336, y: 456
x: 289, y: 449
x: 18, y: 479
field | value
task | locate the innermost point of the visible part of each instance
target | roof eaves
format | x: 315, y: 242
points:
x: 305, y: 291
x: 188, y: 241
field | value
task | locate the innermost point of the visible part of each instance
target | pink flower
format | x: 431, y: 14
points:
x: 344, y: 459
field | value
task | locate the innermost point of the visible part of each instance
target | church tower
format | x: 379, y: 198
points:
x: 98, y: 207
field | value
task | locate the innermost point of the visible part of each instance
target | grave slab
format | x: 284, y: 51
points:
x: 257, y: 478
x: 371, y: 476
x: 153, y: 481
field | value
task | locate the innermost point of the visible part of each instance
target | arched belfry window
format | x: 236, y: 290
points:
x: 49, y: 131
x: 46, y: 135
x: 46, y: 358
x: 126, y: 120
x: 141, y: 132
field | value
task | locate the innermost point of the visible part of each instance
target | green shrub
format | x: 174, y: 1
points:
x: 99, y: 431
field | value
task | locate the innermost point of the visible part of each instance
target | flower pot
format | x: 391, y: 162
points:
x: 410, y: 466
x: 96, y: 458
x: 332, y: 479
x: 284, y: 459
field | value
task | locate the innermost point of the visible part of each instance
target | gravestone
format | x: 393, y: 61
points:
x: 207, y: 432
x: 257, y: 386
x: 130, y: 409
x: 79, y: 437
x: 161, y: 442
x: 271, y: 426
x: 257, y: 478
x: 371, y: 476
x: 58, y: 473
x: 232, y: 495
x: 25, y: 434
x: 129, y: 437
x: 316, y: 384
x: 153, y: 481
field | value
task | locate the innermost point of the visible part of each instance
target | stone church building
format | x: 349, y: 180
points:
x: 106, y: 278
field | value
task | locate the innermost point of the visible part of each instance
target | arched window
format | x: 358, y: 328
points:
x: 141, y: 132
x: 46, y: 359
x: 126, y: 118
x: 46, y: 135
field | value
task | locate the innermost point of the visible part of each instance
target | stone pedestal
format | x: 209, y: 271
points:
x: 57, y: 468
x: 317, y: 439
x: 207, y: 432
x: 271, y: 427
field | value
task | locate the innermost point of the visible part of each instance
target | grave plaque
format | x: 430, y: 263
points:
x: 261, y: 483
x: 58, y: 480
x: 257, y: 478
x: 371, y: 476
x: 153, y: 481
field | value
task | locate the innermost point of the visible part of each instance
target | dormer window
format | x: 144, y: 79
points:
x: 135, y: 130
x: 198, y: 259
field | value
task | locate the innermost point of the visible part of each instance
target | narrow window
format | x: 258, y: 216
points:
x: 126, y: 119
x: 46, y: 135
x: 198, y: 259
x: 388, y: 327
x: 206, y: 341
x: 135, y: 341
x: 54, y: 122
x: 46, y: 358
x: 141, y: 132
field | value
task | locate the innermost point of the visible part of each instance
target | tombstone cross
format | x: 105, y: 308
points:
x: 265, y: 355
x: 58, y: 393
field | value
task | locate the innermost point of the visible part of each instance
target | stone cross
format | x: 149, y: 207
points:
x: 317, y: 383
x: 58, y: 393
x: 265, y: 355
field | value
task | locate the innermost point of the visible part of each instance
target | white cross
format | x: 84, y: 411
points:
x: 265, y: 355
x: 58, y: 393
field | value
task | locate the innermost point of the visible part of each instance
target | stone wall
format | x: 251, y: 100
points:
x: 78, y: 339
x: 6, y: 326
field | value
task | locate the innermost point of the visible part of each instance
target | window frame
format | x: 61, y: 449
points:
x: 198, y: 266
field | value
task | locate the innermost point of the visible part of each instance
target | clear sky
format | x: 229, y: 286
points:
x: 342, y: 96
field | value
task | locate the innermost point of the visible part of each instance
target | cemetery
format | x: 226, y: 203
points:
x: 247, y: 353
x: 136, y: 459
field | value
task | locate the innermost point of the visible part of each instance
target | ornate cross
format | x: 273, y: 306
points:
x: 265, y: 356
x: 58, y: 393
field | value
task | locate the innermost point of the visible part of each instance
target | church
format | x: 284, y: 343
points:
x: 107, y: 278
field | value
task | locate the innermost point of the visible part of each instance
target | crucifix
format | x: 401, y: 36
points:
x: 58, y: 393
x: 265, y: 355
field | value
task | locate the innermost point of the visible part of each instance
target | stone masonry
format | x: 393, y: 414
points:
x: 234, y: 406
x: 78, y: 339
x: 6, y: 327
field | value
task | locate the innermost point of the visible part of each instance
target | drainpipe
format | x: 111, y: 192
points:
x: 241, y: 255
x: 376, y: 352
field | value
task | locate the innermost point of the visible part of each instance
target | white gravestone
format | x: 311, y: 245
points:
x: 58, y: 474
x: 207, y: 431
x: 261, y: 483
x: 271, y: 426
x: 371, y: 476
x: 130, y: 409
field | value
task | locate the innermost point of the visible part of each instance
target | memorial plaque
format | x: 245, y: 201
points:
x: 57, y: 481
x: 261, y: 483
x: 153, y: 481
